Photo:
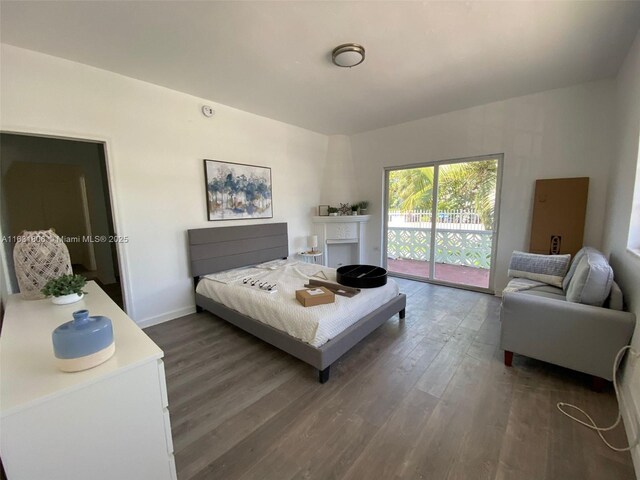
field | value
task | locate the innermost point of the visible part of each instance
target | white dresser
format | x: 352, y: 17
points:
x: 109, y: 422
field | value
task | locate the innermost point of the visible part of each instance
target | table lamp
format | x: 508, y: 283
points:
x: 313, y: 242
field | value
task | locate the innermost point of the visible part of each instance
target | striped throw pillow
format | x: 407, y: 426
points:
x: 549, y: 269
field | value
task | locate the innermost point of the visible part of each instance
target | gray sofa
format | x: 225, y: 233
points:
x: 580, y: 326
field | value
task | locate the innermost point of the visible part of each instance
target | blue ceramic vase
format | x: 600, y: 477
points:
x: 83, y: 343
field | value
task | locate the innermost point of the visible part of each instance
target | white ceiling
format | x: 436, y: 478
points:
x: 273, y: 58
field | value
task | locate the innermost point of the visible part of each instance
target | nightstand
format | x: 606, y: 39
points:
x: 311, y: 257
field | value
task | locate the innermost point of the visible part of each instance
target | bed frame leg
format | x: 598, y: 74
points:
x: 324, y: 374
x: 199, y: 309
x: 402, y: 313
x: 508, y: 358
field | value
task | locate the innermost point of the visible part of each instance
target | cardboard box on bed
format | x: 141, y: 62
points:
x: 308, y: 298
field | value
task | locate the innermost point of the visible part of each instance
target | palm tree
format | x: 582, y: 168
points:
x: 461, y: 186
x: 411, y: 189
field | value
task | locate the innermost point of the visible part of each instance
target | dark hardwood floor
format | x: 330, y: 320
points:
x: 427, y: 398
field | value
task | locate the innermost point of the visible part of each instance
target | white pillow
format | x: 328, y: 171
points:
x: 591, y: 282
x: 549, y: 269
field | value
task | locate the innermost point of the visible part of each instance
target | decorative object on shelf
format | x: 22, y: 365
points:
x: 323, y: 210
x: 65, y: 289
x: 345, y: 209
x: 333, y: 211
x: 236, y: 191
x: 39, y: 256
x: 313, y: 243
x: 354, y: 209
x: 83, y: 343
x: 363, y: 206
x: 347, y: 55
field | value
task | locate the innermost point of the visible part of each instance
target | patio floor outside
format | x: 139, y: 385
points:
x: 459, y: 274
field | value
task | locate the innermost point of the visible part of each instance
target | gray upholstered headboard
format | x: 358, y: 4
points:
x: 215, y: 249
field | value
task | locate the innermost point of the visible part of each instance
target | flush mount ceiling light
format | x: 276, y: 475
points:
x: 348, y: 55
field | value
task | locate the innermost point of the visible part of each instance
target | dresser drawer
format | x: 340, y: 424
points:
x: 163, y: 385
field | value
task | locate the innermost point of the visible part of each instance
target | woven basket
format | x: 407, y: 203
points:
x: 38, y: 257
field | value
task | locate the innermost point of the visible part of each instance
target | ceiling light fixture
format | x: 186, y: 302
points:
x: 348, y: 55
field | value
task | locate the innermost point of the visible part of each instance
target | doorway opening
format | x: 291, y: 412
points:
x: 441, y: 221
x: 61, y: 184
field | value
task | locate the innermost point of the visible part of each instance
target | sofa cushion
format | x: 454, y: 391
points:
x: 572, y: 269
x: 539, y: 292
x: 525, y: 285
x: 591, y: 281
x: 549, y: 269
x: 615, y: 300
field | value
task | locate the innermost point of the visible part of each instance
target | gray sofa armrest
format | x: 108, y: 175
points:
x: 572, y: 335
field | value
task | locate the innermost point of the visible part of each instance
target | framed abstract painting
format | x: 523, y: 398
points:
x: 236, y: 191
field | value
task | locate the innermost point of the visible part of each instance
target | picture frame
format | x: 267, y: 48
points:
x: 323, y: 210
x: 237, y: 191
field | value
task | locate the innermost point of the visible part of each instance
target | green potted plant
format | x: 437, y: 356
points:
x: 354, y: 209
x: 333, y: 211
x: 65, y: 289
x: 363, y: 207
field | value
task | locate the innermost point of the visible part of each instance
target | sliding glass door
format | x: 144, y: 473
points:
x: 410, y: 205
x: 441, y: 221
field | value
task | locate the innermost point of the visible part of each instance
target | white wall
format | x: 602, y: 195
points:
x: 624, y: 178
x: 156, y: 142
x: 559, y: 133
x: 338, y: 180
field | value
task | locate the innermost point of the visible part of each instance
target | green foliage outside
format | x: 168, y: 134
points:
x: 469, y: 186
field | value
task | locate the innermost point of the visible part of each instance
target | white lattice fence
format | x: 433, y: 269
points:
x: 413, y: 243
x: 454, y: 247
x: 448, y: 220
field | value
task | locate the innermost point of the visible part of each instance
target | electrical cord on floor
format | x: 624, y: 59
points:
x: 593, y: 425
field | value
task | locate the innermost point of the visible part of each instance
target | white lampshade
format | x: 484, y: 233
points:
x: 313, y: 241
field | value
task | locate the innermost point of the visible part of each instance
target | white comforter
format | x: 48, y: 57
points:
x: 314, y: 325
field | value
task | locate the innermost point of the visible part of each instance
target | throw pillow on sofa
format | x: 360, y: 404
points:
x: 549, y: 269
x: 574, y: 263
x: 592, y: 279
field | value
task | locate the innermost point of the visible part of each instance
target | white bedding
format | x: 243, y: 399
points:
x: 314, y: 325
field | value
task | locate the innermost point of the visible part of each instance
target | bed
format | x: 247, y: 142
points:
x: 216, y: 250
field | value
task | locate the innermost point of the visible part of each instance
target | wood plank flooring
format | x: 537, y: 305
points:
x: 427, y: 398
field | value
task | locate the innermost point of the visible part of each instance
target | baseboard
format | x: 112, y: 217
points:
x: 630, y: 411
x: 165, y: 317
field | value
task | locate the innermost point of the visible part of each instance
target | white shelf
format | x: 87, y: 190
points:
x: 341, y: 240
x: 341, y: 218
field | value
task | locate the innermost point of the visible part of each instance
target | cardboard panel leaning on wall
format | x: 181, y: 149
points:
x: 156, y: 139
x: 559, y: 209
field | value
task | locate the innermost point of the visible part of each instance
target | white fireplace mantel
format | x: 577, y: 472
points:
x: 340, y: 231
